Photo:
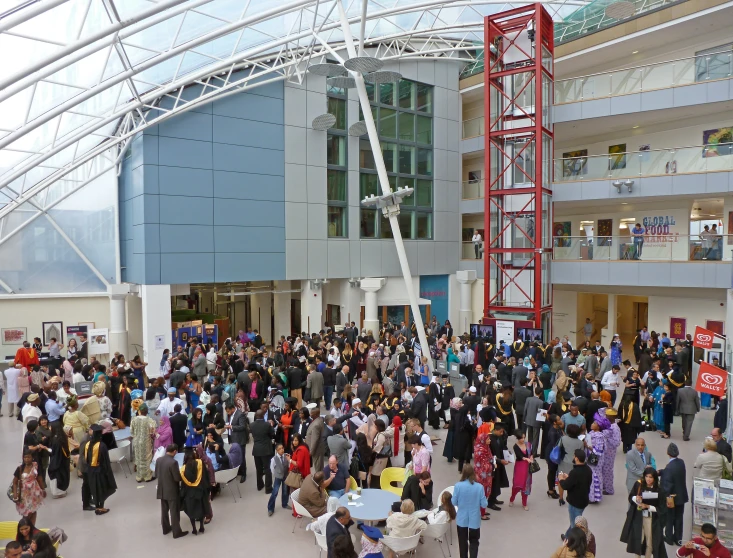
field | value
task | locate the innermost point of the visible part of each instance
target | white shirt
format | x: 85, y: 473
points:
x: 477, y: 239
x: 425, y: 439
x: 77, y: 377
x: 62, y: 396
x: 166, y: 406
x: 611, y: 381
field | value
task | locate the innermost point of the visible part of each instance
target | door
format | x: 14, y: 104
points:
x: 642, y: 314
x: 295, y: 316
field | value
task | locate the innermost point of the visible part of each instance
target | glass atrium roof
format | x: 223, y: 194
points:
x: 82, y: 77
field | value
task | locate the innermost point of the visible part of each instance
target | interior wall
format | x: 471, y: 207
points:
x: 134, y: 323
x: 696, y: 311
x: 30, y: 313
x: 564, y: 313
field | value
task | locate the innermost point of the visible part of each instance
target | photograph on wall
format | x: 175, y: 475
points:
x: 604, y: 235
x: 717, y: 142
x: 14, y: 335
x: 575, y: 163
x: 617, y: 156
x: 52, y: 330
x: 98, y: 341
x: 75, y: 332
x: 561, y: 234
x: 677, y: 328
x: 644, y: 152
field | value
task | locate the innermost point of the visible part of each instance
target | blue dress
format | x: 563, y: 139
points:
x: 194, y: 439
x: 616, y: 353
x: 658, y: 409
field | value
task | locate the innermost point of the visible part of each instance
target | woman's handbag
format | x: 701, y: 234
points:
x: 557, y: 454
x: 534, y: 467
x: 294, y: 479
x: 593, y: 458
x: 11, y: 493
x: 386, y: 450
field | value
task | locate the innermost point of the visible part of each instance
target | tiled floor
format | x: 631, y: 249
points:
x: 134, y: 522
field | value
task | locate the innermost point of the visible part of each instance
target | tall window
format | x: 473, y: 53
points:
x: 403, y: 116
x: 337, y: 161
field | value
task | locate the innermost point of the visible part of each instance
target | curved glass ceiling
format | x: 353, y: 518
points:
x: 81, y: 77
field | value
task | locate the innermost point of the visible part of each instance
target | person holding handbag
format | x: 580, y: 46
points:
x: 522, y: 481
x: 300, y: 465
x: 596, y: 444
x: 642, y: 531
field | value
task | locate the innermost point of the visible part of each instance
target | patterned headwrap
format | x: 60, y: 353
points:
x: 582, y: 523
x: 600, y: 419
x: 98, y: 389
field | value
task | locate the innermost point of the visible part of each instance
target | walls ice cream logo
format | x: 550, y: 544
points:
x: 703, y: 338
x: 712, y: 379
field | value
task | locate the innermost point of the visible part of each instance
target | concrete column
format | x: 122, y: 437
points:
x: 156, y: 323
x: 610, y: 329
x: 118, y: 337
x: 262, y: 316
x: 465, y: 278
x: 311, y: 307
x: 370, y: 286
x: 350, y: 302
x: 281, y: 302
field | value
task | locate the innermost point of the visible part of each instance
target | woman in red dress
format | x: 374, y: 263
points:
x: 483, y: 466
x: 300, y: 460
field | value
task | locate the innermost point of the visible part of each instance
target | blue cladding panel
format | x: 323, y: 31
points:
x: 181, y: 221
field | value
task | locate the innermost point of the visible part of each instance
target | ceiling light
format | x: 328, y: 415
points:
x: 634, y: 127
x: 624, y: 203
x: 635, y: 52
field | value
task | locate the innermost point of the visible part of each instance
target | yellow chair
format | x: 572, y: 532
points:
x: 8, y: 530
x: 392, y: 475
x: 353, y: 485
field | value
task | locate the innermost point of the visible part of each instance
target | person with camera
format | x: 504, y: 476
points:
x: 707, y: 545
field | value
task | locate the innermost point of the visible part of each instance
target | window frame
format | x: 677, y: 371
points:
x: 332, y: 93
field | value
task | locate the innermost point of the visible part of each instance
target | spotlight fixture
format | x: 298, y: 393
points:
x: 629, y: 184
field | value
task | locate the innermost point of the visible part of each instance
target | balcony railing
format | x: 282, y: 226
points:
x: 468, y: 251
x: 654, y: 248
x: 472, y: 189
x: 654, y: 162
x: 473, y: 127
x: 660, y: 75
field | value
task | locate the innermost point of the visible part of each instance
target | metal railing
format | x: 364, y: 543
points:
x: 658, y: 75
x: 654, y: 247
x: 472, y: 128
x: 472, y: 189
x: 654, y: 162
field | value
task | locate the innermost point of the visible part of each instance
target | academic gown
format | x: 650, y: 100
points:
x: 99, y: 473
x: 632, y: 531
x: 463, y: 431
x: 59, y: 463
x: 194, y: 498
x: 630, y: 424
x: 497, y: 449
x: 435, y: 397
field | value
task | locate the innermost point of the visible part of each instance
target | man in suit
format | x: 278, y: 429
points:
x: 638, y: 458
x: 531, y: 406
x: 179, y: 423
x: 262, y: 435
x: 168, y: 472
x: 314, y: 385
x: 419, y: 406
x: 314, y: 439
x: 723, y: 446
x: 674, y: 485
x: 594, y: 405
x: 237, y: 425
x: 605, y: 367
x: 683, y: 360
x: 688, y: 405
x: 518, y: 372
x: 521, y: 395
x: 337, y: 526
x: 313, y: 495
x: 591, y: 364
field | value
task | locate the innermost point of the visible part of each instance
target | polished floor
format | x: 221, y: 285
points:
x: 133, y: 525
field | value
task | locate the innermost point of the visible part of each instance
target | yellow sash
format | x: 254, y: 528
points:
x: 629, y: 411
x: 199, y: 472
x: 501, y: 409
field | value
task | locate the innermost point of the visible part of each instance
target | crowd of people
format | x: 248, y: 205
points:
x: 327, y: 413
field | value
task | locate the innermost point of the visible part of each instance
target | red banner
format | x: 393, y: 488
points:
x: 677, y: 328
x: 711, y: 379
x: 703, y: 338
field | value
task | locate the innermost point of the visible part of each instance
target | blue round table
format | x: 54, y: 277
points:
x: 376, y: 504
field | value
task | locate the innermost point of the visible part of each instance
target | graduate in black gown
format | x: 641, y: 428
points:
x: 629, y: 421
x: 99, y: 471
x: 505, y: 407
x: 501, y: 480
x: 464, y: 429
x: 60, y: 462
x: 194, y: 490
x: 435, y: 398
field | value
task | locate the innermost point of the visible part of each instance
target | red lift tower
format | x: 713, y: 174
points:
x: 518, y: 80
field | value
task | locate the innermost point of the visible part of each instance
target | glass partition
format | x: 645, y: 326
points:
x: 654, y: 248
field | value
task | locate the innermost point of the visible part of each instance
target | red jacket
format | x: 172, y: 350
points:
x: 716, y: 551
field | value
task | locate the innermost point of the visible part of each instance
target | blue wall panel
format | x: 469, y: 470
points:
x: 202, y: 195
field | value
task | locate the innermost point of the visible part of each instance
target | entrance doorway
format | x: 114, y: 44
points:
x: 642, y: 314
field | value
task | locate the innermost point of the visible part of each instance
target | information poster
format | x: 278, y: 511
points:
x: 504, y: 331
x: 98, y: 341
x: 74, y: 332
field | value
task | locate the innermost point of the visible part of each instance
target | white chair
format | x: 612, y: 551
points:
x: 226, y: 477
x: 117, y: 455
x: 401, y: 545
x: 437, y: 531
x: 322, y: 544
x: 300, y: 510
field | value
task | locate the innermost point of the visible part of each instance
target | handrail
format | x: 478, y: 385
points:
x: 643, y: 66
x: 658, y: 149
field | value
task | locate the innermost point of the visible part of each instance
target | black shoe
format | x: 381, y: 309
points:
x: 89, y: 508
x: 183, y: 534
x: 670, y: 542
x: 494, y: 507
x: 259, y: 488
x: 498, y: 502
x: 561, y: 502
x: 268, y: 491
x: 678, y: 543
x: 270, y: 513
x: 242, y: 479
x: 166, y: 532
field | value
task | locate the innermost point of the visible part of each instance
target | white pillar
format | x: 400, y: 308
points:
x: 610, y: 329
x: 281, y: 302
x: 118, y: 338
x: 370, y: 286
x: 156, y: 323
x: 350, y: 303
x: 465, y: 278
x: 262, y: 316
x: 311, y: 307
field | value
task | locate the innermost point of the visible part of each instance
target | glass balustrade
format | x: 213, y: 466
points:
x: 469, y: 251
x: 656, y: 162
x: 473, y: 128
x: 661, y: 75
x: 472, y: 189
x: 660, y: 248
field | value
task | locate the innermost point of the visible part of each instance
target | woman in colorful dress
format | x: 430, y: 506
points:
x: 596, y: 443
x: 606, y: 420
x: 483, y: 466
x: 29, y: 490
x: 285, y: 421
x: 74, y: 418
x: 658, y: 396
x: 196, y: 428
x: 522, y: 481
x: 164, y: 436
x: 142, y: 428
x: 300, y: 461
x: 616, y: 350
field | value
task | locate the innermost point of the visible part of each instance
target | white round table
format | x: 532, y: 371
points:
x: 375, y: 504
x: 178, y: 457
